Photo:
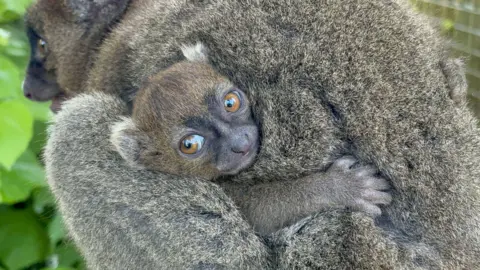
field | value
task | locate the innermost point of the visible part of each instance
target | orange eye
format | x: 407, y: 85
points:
x: 42, y: 47
x: 232, y: 102
x: 191, y: 144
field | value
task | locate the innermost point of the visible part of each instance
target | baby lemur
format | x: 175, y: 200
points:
x: 189, y: 120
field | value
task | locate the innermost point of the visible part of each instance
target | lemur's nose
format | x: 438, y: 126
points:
x: 241, y: 144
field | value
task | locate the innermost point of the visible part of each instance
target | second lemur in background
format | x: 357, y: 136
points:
x: 189, y: 120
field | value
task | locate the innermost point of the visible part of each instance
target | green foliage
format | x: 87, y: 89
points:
x: 17, y: 123
x: 448, y: 25
x: 21, y: 224
x: 32, y: 235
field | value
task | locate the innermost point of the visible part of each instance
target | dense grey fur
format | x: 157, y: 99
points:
x: 190, y: 223
x: 268, y: 206
x: 372, y: 70
x: 272, y: 206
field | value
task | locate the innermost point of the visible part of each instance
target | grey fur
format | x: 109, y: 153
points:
x: 268, y: 206
x: 454, y: 69
x: 110, y: 208
x: 275, y: 205
x: 369, y: 75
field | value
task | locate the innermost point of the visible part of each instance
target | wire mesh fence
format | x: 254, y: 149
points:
x: 460, y: 20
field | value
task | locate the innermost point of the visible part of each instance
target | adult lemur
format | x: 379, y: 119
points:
x: 188, y: 120
x: 374, y: 69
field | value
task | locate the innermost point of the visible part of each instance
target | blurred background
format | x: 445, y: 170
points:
x: 460, y: 21
x: 31, y: 231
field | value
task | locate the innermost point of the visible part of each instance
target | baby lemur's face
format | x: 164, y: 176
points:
x: 189, y: 120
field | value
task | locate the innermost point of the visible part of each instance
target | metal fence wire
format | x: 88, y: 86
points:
x: 460, y: 21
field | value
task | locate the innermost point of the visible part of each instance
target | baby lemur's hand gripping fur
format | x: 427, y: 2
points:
x: 190, y: 121
x: 363, y: 67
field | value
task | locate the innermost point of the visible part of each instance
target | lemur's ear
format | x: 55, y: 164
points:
x: 128, y: 140
x: 454, y: 72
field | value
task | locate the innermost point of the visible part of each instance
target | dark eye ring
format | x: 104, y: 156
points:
x: 232, y: 101
x: 191, y: 144
x: 42, y: 47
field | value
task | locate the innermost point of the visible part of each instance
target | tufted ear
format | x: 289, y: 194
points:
x: 454, y: 72
x: 129, y: 141
x: 195, y: 53
x: 96, y: 12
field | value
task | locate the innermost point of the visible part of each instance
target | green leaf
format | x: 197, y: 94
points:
x: 42, y: 198
x: 82, y: 266
x: 16, y: 130
x: 40, y: 111
x: 4, y: 37
x: 12, y: 9
x: 56, y: 229
x: 59, y: 268
x: 24, y: 240
x: 39, y: 138
x: 68, y: 256
x: 25, y: 176
x: 1, y: 198
x: 447, y: 25
x: 18, y: 48
x: 9, y: 79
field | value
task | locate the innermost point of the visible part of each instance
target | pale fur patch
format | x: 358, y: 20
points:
x: 195, y: 53
x: 125, y: 145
